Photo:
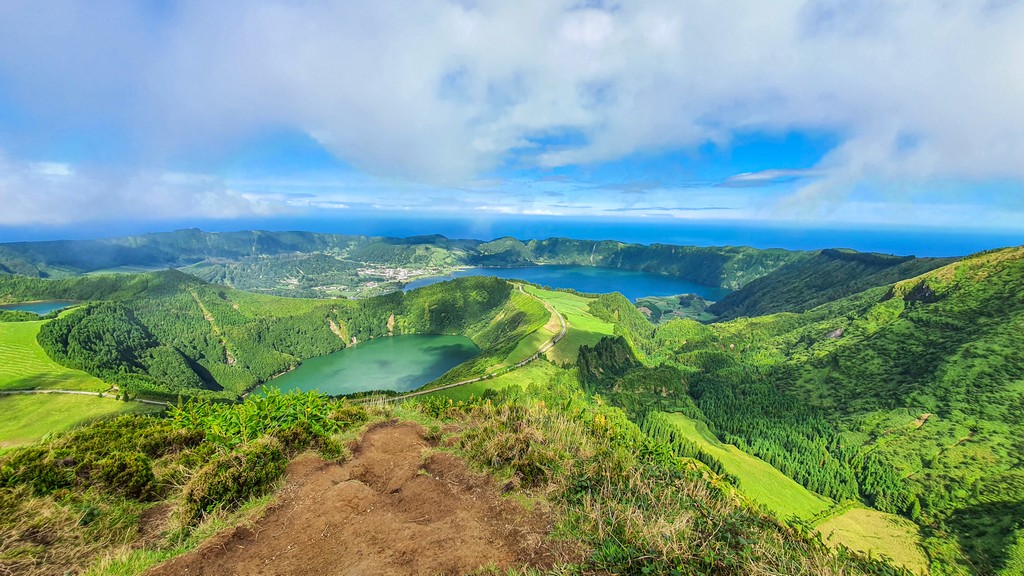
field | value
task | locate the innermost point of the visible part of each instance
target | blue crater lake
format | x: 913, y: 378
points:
x: 590, y: 279
x: 41, y: 308
x: 399, y: 363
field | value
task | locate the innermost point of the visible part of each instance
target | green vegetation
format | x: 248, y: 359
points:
x: 826, y: 276
x: 757, y: 479
x: 661, y: 309
x: 584, y: 327
x: 68, y: 501
x: 521, y: 379
x: 168, y: 334
x: 861, y: 379
x: 883, y: 535
x: 18, y: 316
x: 30, y: 417
x: 630, y: 501
x: 902, y: 397
x: 306, y: 263
x: 24, y: 364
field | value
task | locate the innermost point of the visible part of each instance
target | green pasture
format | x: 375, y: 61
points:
x: 29, y: 417
x: 584, y: 327
x: 25, y: 366
x: 867, y: 530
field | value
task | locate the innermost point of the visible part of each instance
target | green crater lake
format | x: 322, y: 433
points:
x: 399, y: 363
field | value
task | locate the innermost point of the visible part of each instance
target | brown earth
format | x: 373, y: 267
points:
x: 388, y: 510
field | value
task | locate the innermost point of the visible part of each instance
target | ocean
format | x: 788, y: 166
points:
x: 904, y: 241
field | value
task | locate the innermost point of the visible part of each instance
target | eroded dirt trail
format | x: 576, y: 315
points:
x: 386, y: 511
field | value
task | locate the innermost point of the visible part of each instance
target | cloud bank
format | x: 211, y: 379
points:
x: 443, y: 91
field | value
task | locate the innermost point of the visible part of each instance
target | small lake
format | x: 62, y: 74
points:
x: 41, y: 308
x: 399, y: 363
x: 590, y: 279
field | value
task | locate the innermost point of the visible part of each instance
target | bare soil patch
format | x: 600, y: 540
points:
x: 388, y: 510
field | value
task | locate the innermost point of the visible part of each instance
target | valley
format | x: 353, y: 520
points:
x: 843, y: 394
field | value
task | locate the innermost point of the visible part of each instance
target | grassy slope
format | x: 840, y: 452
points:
x: 867, y: 530
x: 531, y: 343
x: 28, y: 418
x: 758, y: 479
x: 861, y: 529
x: 25, y: 366
x: 827, y: 276
x: 584, y: 327
x: 533, y: 373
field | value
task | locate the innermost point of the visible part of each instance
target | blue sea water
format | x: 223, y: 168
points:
x: 901, y: 241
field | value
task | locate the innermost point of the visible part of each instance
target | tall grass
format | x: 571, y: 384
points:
x: 632, y: 502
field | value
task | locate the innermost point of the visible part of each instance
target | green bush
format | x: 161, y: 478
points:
x: 231, y: 479
x: 36, y: 467
x: 303, y: 436
x: 128, y: 473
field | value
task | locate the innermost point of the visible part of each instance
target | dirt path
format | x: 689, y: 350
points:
x: 80, y: 393
x: 386, y: 511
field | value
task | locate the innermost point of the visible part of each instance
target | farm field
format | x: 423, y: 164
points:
x: 30, y: 417
x: 584, y: 327
x: 25, y: 366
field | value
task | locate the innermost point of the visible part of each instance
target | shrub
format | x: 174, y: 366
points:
x: 232, y: 478
x: 128, y: 473
x: 37, y: 468
x: 303, y: 436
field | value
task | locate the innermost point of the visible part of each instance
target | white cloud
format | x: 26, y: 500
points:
x: 440, y: 91
x: 53, y: 194
x: 768, y: 177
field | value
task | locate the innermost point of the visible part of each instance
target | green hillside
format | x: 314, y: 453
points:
x: 905, y: 396
x: 757, y: 479
x: 311, y: 265
x: 120, y: 495
x: 890, y: 385
x: 30, y: 417
x: 826, y: 276
x: 167, y: 333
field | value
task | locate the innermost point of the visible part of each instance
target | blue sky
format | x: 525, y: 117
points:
x: 808, y: 114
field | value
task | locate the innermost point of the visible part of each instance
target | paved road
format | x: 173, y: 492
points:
x: 544, y: 348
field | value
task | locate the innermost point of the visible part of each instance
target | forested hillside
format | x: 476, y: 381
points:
x: 168, y: 333
x: 828, y: 275
x: 907, y: 397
